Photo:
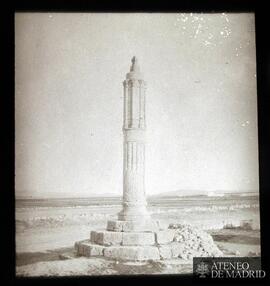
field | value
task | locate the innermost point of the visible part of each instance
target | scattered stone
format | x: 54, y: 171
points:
x: 190, y: 241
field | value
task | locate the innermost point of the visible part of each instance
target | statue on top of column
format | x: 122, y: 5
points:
x: 135, y: 66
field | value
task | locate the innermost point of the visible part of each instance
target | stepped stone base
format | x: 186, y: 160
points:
x: 177, y: 241
x: 134, y: 253
x: 127, y: 240
x: 130, y: 252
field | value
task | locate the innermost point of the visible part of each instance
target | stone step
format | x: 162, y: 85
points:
x: 119, y: 252
x: 134, y: 253
x: 86, y: 248
x: 107, y: 238
x: 131, y: 226
x: 129, y: 252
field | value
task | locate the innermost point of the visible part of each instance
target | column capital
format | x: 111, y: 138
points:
x: 134, y: 83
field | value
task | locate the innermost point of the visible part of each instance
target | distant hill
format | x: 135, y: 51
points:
x: 179, y: 193
x: 185, y: 193
x: 62, y: 196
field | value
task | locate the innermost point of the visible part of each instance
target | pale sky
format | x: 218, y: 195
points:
x: 201, y: 111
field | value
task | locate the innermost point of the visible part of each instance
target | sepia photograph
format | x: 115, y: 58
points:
x: 136, y: 142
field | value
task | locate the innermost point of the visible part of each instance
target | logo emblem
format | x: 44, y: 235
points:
x: 202, y: 269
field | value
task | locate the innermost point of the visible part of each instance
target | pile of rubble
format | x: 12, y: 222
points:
x: 192, y: 241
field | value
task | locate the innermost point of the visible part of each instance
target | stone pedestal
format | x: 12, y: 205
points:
x: 124, y: 241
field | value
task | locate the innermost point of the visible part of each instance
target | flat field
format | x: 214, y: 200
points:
x: 47, y: 229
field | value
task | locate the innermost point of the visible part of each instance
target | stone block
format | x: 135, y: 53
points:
x: 134, y: 253
x: 86, y: 248
x: 93, y: 236
x: 138, y: 238
x: 79, y: 246
x: 149, y: 253
x: 165, y: 236
x: 165, y: 252
x: 81, y: 249
x: 108, y: 237
x: 148, y: 225
x: 115, y: 225
x: 76, y: 246
x: 96, y: 250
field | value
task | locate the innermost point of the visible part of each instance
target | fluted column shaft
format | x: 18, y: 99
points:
x: 134, y: 198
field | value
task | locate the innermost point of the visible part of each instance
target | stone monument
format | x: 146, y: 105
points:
x: 134, y: 235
